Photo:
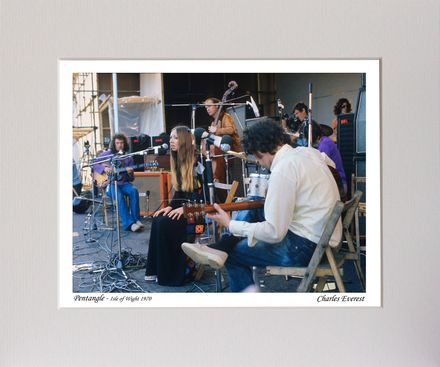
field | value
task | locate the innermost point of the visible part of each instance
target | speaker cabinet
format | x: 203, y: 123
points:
x: 154, y: 193
x: 346, y: 145
x: 138, y: 143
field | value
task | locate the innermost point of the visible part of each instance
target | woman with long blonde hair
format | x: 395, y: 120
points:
x: 166, y: 262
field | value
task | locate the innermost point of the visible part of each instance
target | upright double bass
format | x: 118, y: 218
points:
x: 218, y: 165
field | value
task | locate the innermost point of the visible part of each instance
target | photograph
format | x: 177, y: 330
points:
x: 187, y: 183
x: 197, y: 184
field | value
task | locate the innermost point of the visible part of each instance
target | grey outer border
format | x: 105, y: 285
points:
x: 404, y: 332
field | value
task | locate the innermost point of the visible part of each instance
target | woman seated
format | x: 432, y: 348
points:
x: 166, y: 262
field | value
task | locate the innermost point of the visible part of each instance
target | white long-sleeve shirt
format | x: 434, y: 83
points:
x: 301, y: 195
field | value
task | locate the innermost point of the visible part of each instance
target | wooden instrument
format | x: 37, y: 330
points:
x: 194, y: 212
x: 219, y: 165
x: 102, y: 180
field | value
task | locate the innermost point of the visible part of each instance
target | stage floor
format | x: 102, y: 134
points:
x: 89, y: 258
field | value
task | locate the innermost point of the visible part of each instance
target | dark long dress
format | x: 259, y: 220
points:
x: 165, y: 256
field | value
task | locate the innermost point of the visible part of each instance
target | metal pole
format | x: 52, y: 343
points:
x: 93, y: 114
x: 310, y: 115
x: 193, y: 116
x: 115, y: 102
x: 118, y: 229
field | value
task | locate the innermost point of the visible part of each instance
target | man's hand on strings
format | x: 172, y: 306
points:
x: 221, y: 217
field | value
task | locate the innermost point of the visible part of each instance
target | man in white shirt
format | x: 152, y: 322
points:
x: 301, y: 195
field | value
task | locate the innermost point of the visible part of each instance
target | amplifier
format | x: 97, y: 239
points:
x: 163, y: 162
x: 138, y: 143
x: 346, y: 145
x: 153, y: 191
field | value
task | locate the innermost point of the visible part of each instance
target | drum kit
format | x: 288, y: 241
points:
x: 255, y: 184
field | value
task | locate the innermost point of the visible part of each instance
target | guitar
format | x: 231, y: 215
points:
x: 194, y: 212
x: 102, y: 180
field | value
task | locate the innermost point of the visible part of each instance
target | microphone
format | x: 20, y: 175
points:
x: 198, y: 134
x: 223, y: 142
x: 161, y: 149
x: 158, y: 150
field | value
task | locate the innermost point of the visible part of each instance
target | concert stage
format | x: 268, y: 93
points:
x: 90, y: 258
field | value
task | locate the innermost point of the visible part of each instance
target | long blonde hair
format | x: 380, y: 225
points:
x: 182, y: 161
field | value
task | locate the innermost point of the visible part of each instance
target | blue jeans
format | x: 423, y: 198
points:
x: 293, y: 250
x: 130, y: 213
x: 250, y: 215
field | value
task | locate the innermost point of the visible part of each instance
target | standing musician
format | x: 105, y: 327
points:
x: 342, y: 106
x: 130, y: 214
x: 301, y: 195
x: 224, y: 125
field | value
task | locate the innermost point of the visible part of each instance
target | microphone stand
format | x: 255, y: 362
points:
x: 280, y: 110
x: 210, y: 179
x: 193, y: 116
x: 310, y: 117
x: 92, y: 223
x: 118, y: 229
x: 226, y: 158
x: 118, y: 268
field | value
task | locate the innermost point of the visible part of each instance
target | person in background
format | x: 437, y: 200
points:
x: 300, y: 114
x: 76, y: 184
x: 324, y: 144
x: 341, y: 107
x: 224, y: 125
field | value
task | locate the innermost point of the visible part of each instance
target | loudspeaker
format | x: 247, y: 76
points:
x: 153, y: 191
x: 361, y: 171
x: 138, y: 143
x: 346, y: 145
x: 361, y: 143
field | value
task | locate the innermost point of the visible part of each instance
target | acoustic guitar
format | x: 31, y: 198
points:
x: 194, y: 212
x: 102, y: 180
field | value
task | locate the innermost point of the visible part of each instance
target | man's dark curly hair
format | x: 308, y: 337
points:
x: 264, y: 137
x: 119, y: 137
